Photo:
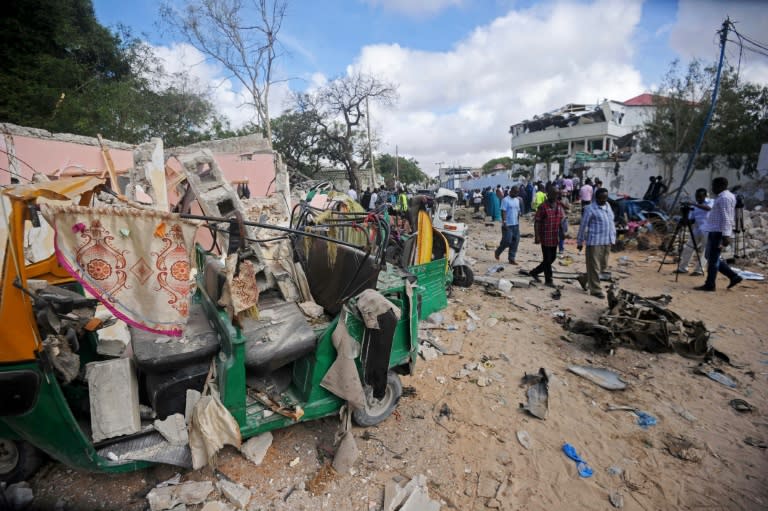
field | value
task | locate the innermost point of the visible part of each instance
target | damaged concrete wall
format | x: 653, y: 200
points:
x: 42, y: 151
x: 632, y: 178
x: 148, y: 172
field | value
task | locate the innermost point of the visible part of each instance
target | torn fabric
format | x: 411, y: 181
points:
x: 342, y: 379
x: 142, y: 278
x: 210, y: 428
x: 372, y: 304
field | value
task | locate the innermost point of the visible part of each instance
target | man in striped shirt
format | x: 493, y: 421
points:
x: 597, y: 228
x: 719, y: 231
x: 546, y: 227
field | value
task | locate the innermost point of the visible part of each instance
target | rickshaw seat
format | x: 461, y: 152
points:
x: 198, y: 344
x: 280, y: 336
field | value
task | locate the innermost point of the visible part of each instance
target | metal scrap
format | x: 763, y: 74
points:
x: 645, y: 323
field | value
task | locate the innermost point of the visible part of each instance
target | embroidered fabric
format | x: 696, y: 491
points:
x: 135, y: 261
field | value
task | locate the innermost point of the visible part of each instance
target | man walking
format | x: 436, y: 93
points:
x: 511, y: 207
x: 720, y: 230
x: 585, y: 195
x: 698, y: 217
x: 599, y: 231
x: 546, y: 227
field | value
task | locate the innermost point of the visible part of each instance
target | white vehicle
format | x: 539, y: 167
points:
x: 456, y: 234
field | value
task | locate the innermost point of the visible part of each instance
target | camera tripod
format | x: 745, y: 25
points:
x: 683, y: 225
x: 739, y: 234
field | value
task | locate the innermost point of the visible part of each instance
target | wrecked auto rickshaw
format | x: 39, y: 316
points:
x: 267, y: 367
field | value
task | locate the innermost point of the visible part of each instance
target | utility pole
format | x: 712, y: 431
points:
x: 689, y: 167
x: 370, y: 144
x: 397, y: 164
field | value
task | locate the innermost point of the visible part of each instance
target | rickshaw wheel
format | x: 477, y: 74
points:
x: 18, y: 460
x: 376, y: 410
x: 463, y: 276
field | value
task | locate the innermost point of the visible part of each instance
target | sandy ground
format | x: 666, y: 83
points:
x: 471, y: 455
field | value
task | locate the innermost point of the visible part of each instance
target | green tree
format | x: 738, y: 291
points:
x: 296, y: 136
x: 407, y: 168
x: 739, y: 123
x: 65, y: 72
x: 339, y: 109
x: 490, y: 164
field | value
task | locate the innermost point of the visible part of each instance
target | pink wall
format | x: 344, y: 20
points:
x: 47, y: 156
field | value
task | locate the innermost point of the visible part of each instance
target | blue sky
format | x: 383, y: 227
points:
x: 467, y: 69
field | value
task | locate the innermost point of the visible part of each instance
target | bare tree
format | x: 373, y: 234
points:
x: 219, y: 29
x: 339, y: 109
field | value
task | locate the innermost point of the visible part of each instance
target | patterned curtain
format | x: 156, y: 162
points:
x: 135, y: 261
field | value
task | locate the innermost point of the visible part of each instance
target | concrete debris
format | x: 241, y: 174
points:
x: 472, y: 315
x: 216, y: 506
x: 174, y: 429
x: 604, y: 378
x: 537, y: 394
x: 504, y: 285
x: 487, y: 485
x: 491, y: 322
x: 166, y: 497
x: 524, y: 438
x: 295, y: 461
x: 173, y: 481
x: 413, y: 496
x: 18, y: 496
x: 311, y: 309
x: 114, y: 396
x: 428, y: 353
x: 483, y: 381
x: 256, y: 448
x: 237, y: 494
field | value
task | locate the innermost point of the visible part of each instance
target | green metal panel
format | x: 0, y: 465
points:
x: 431, y: 280
x: 51, y: 427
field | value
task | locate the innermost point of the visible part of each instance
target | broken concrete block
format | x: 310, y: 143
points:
x: 114, y: 396
x: 162, y: 498
x: 504, y: 285
x: 311, y: 309
x: 487, y: 485
x: 413, y: 496
x: 216, y: 506
x: 193, y: 492
x: 256, y: 448
x: 428, y: 353
x: 237, y: 494
x: 173, y: 429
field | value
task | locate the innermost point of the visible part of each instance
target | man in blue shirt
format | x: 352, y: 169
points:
x: 511, y: 207
x: 698, y: 218
x: 598, y: 229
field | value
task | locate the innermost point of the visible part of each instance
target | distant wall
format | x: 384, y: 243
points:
x: 633, y: 176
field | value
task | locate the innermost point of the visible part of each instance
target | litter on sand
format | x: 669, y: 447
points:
x: 537, y: 393
x: 581, y: 465
x: 645, y: 420
x: 524, y: 439
x: 741, y: 406
x: 602, y: 377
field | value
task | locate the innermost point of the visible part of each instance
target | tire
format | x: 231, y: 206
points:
x: 19, y: 460
x: 463, y: 276
x: 376, y: 411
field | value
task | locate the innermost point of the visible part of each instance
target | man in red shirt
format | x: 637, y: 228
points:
x: 546, y: 227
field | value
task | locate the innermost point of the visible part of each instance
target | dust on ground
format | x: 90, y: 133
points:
x: 462, y: 436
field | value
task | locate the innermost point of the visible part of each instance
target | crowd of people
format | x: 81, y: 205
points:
x: 711, y: 221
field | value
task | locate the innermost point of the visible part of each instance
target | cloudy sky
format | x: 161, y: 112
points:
x: 468, y: 69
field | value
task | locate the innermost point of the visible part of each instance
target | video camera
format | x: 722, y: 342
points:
x: 685, y: 212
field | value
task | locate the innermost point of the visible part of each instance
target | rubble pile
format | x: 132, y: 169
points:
x: 644, y: 323
x: 756, y: 235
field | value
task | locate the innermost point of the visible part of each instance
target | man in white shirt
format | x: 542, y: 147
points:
x: 352, y: 193
x: 374, y: 197
x: 719, y: 232
x: 698, y: 217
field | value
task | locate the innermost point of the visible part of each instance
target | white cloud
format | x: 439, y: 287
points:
x: 456, y: 106
x: 228, y: 96
x: 694, y: 33
x: 415, y: 7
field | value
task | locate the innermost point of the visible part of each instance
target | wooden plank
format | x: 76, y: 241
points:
x: 110, y: 165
